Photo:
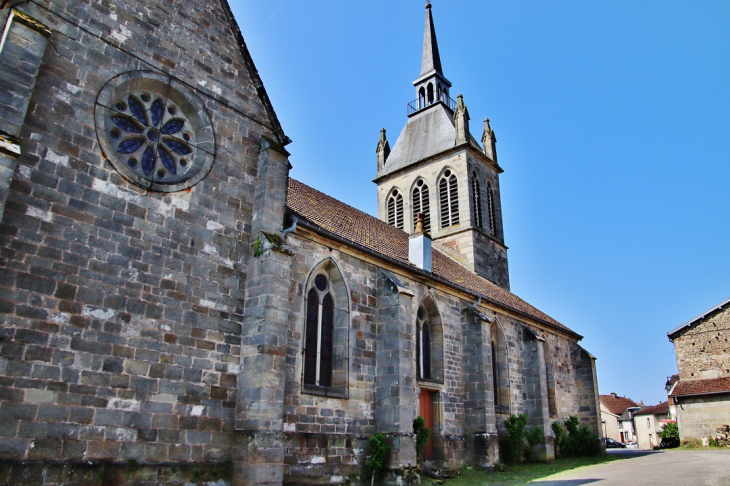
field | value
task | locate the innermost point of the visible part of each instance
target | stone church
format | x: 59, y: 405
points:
x: 175, y: 308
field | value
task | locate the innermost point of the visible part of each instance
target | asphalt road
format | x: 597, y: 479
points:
x: 647, y: 468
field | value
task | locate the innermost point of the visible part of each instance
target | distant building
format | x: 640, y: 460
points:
x: 648, y: 424
x: 616, y: 417
x: 702, y: 394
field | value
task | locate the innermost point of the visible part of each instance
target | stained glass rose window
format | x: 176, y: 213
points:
x: 155, y: 131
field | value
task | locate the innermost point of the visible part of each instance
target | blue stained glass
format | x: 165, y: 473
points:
x: 186, y: 136
x: 173, y: 126
x: 130, y: 145
x: 156, y: 112
x: 148, y: 160
x: 167, y: 160
x: 152, y: 135
x: 137, y: 110
x: 126, y: 124
x: 175, y: 146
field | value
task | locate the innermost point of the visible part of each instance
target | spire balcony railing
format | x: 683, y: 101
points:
x: 421, y: 103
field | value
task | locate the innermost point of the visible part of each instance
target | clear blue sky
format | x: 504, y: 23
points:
x: 613, y: 124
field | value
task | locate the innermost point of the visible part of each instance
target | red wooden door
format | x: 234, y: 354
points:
x: 426, y: 400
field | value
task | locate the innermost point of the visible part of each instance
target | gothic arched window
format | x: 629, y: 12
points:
x: 490, y: 210
x: 500, y: 370
x: 421, y: 98
x: 476, y: 196
x: 395, y: 209
x: 326, y: 332
x: 429, y: 342
x: 420, y: 204
x: 449, y: 199
x: 429, y: 91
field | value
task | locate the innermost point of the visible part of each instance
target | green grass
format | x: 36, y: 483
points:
x: 522, y: 473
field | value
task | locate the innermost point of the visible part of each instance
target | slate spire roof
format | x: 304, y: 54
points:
x: 430, y: 61
x: 362, y: 231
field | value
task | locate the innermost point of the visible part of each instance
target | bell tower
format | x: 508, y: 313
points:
x: 437, y: 168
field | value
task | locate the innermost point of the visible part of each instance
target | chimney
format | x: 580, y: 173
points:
x: 614, y: 394
x: 419, y: 246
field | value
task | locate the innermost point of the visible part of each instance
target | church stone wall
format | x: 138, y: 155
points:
x: 327, y: 436
x: 121, y: 308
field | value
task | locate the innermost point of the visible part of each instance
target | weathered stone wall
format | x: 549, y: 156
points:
x: 121, y: 308
x: 703, y: 349
x: 327, y: 435
x: 700, y: 416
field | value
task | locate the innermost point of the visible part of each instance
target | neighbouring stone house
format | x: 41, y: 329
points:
x: 648, y: 424
x: 701, y: 397
x: 617, y: 417
x: 175, y: 307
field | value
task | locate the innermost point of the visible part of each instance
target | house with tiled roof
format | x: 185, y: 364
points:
x: 648, y: 424
x: 171, y: 298
x: 701, y: 397
x: 617, y: 417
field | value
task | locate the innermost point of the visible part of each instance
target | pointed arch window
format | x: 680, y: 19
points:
x: 476, y: 196
x: 421, y: 98
x: 490, y: 209
x: 420, y: 204
x: 395, y: 209
x: 326, y: 331
x: 500, y: 370
x: 429, y: 343
x: 449, y: 199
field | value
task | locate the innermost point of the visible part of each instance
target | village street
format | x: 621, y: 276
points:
x: 645, y: 468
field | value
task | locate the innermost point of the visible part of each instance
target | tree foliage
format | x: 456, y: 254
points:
x: 520, y: 441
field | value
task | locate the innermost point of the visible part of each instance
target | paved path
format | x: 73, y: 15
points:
x: 665, y: 468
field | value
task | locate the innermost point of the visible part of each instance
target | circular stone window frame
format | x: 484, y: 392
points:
x: 197, y: 122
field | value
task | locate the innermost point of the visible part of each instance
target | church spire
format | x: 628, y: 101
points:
x: 430, y: 61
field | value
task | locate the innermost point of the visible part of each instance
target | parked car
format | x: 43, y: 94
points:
x: 632, y: 445
x: 669, y: 443
x: 614, y: 444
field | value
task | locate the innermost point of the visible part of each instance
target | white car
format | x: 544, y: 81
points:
x: 632, y: 445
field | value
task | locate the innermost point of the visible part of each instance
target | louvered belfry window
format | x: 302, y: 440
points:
x: 477, y: 201
x: 395, y: 209
x: 449, y: 198
x: 490, y: 210
x: 421, y: 205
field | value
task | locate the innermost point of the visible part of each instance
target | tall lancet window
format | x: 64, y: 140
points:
x: 490, y: 209
x: 420, y: 204
x: 326, y: 332
x: 476, y: 196
x: 429, y: 342
x: 395, y: 209
x: 449, y: 199
x: 318, y: 334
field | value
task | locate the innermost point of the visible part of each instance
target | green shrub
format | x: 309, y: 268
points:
x: 573, y: 439
x: 534, y: 437
x: 670, y: 431
x: 422, y: 434
x: 520, y: 441
x: 379, y: 450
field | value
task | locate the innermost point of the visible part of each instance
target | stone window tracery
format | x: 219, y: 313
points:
x: 449, y: 199
x: 155, y: 131
x: 421, y: 204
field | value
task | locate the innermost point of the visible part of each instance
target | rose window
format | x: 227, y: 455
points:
x: 155, y: 131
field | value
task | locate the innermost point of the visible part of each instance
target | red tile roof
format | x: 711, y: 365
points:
x: 615, y: 404
x: 373, y: 234
x: 661, y: 409
x: 701, y: 387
